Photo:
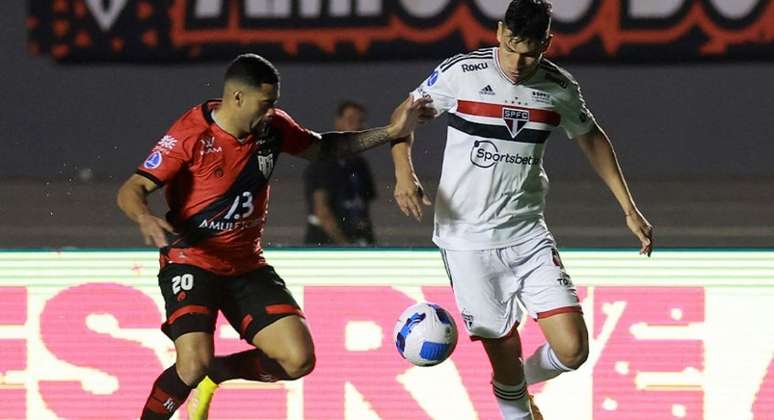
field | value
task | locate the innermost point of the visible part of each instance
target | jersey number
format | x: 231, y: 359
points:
x: 184, y: 282
x: 244, y: 201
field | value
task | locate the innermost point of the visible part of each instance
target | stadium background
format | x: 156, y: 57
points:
x: 693, y: 136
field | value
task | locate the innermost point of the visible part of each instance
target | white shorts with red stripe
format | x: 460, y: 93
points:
x: 494, y: 286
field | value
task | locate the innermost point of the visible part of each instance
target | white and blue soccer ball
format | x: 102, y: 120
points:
x: 425, y: 334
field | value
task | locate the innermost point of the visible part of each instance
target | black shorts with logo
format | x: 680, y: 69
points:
x: 250, y: 301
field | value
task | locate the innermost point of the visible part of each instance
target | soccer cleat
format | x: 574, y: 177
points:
x: 199, y: 401
x: 535, y: 410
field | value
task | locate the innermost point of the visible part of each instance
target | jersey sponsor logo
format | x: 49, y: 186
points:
x: 515, y: 120
x: 153, y: 161
x: 223, y: 226
x: 166, y: 144
x: 474, y: 67
x: 485, y: 154
x: 209, y: 146
x: 433, y: 78
x: 541, y: 97
x: 486, y: 90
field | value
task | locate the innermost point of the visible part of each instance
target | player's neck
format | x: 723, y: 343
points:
x: 222, y: 120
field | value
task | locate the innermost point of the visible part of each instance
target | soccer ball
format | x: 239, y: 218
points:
x: 425, y: 334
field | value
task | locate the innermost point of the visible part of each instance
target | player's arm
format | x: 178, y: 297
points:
x: 132, y: 199
x: 322, y: 210
x: 340, y: 144
x: 408, y: 192
x: 599, y: 151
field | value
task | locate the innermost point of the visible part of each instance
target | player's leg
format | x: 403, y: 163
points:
x: 284, y: 351
x: 550, y: 297
x: 484, y: 289
x: 260, y: 307
x: 191, y: 305
x: 566, y: 349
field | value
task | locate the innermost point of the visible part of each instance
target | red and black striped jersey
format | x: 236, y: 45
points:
x: 217, y: 187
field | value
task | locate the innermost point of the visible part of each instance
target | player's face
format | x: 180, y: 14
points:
x: 519, y: 57
x: 351, y: 119
x: 258, y: 105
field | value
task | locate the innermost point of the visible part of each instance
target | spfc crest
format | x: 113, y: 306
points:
x: 515, y: 119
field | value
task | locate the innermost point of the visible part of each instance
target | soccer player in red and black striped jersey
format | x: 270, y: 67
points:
x: 215, y: 162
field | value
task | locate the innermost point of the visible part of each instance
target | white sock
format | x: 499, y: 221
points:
x: 512, y: 400
x: 543, y: 365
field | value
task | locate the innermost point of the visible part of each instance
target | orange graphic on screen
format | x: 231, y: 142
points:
x: 606, y: 25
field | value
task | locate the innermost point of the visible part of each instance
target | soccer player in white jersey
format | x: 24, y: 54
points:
x: 502, y: 104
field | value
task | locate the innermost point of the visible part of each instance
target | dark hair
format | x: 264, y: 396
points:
x: 529, y: 19
x: 253, y: 70
x: 344, y: 105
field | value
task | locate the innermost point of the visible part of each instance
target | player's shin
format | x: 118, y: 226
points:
x: 168, y: 393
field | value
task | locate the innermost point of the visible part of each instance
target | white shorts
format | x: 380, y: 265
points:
x: 490, y: 285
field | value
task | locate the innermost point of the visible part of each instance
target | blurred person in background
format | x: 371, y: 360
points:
x: 502, y: 104
x: 215, y: 162
x: 338, y: 192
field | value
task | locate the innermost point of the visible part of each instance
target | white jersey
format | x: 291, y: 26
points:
x: 493, y: 185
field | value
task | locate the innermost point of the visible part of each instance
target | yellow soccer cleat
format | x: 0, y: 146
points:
x: 199, y: 401
x: 535, y: 410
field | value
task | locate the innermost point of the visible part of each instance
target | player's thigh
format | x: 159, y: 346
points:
x: 484, y: 289
x: 254, y: 301
x: 191, y: 300
x: 547, y: 289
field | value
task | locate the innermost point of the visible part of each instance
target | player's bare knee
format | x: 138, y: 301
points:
x: 193, y: 368
x: 574, y: 356
x: 299, y: 364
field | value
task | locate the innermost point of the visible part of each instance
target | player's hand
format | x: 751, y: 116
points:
x: 642, y: 229
x: 153, y: 230
x: 410, y: 195
x: 409, y: 114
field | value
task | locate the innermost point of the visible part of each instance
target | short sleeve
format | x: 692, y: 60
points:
x: 576, y: 117
x: 295, y: 138
x: 440, y: 88
x: 168, y: 156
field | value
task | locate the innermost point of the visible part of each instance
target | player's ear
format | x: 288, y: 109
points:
x: 547, y: 42
x: 500, y: 30
x: 238, y: 96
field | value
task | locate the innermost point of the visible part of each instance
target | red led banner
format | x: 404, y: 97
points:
x: 352, y: 30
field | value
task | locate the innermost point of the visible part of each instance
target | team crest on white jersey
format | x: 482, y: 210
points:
x: 515, y: 119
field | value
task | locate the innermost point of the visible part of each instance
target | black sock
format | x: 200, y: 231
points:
x: 169, y: 392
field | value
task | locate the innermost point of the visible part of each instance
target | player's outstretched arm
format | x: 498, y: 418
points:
x: 340, y: 144
x: 132, y: 199
x: 408, y: 193
x: 599, y: 151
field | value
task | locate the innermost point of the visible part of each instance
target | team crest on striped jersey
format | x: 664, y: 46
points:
x: 515, y: 120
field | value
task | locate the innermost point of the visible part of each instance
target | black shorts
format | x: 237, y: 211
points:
x: 250, y: 301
